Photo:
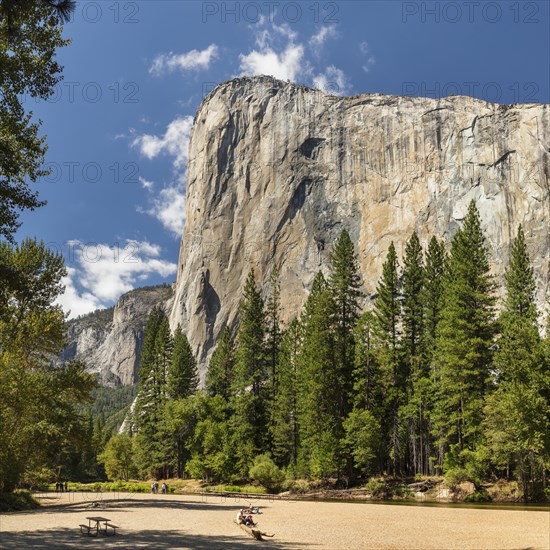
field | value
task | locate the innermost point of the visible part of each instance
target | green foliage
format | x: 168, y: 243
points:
x: 284, y: 426
x: 424, y: 381
x: 31, y: 33
x: 266, y: 472
x: 387, y: 331
x: 436, y: 259
x: 464, y: 338
x: 414, y: 412
x: 219, y: 378
x: 363, y: 439
x: 377, y: 487
x: 516, y: 415
x: 344, y: 284
x: 251, y: 395
x: 118, y: 458
x: 17, y: 501
x: 183, y: 377
x: 273, y: 329
x: 367, y: 386
x: 39, y: 421
x: 201, y: 426
x: 152, y: 451
x: 320, y: 386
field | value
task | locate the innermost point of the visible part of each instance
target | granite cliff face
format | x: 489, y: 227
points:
x: 277, y: 170
x: 110, y: 340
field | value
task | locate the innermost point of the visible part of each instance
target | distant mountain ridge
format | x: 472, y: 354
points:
x: 110, y: 340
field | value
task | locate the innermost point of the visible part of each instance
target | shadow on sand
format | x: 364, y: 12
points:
x: 65, y: 538
x: 60, y: 538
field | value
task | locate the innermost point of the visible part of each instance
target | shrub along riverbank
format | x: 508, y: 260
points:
x: 423, y: 489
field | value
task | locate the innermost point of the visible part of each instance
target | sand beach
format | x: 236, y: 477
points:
x: 207, y: 522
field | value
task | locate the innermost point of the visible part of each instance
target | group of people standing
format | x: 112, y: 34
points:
x: 155, y: 488
x: 61, y: 487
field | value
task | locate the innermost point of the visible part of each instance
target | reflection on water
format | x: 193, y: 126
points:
x: 539, y: 507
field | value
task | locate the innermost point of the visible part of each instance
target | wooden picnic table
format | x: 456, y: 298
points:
x: 98, y: 520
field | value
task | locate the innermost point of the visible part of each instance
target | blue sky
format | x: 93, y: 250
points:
x: 118, y: 125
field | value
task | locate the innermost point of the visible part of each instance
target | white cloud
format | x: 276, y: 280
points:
x: 104, y: 272
x: 286, y: 31
x: 193, y: 60
x: 370, y: 61
x: 146, y: 184
x: 285, y: 65
x: 74, y: 302
x: 175, y: 141
x: 333, y: 81
x: 277, y: 53
x: 325, y: 32
x: 169, y: 209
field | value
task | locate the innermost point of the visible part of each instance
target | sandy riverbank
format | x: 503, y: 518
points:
x: 182, y: 521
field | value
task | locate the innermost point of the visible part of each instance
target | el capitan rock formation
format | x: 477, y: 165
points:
x: 276, y: 170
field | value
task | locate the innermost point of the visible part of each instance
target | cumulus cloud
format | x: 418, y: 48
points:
x: 277, y: 53
x: 169, y: 209
x: 333, y: 81
x: 193, y: 60
x: 325, y: 32
x: 285, y: 65
x: 174, y: 142
x: 104, y: 272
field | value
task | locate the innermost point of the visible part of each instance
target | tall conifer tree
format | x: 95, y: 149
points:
x: 183, y: 377
x: 344, y: 284
x: 273, y: 328
x: 518, y: 412
x: 464, y: 341
x: 220, y: 374
x: 387, y: 311
x: 433, y: 288
x: 321, y: 429
x: 251, y: 377
x: 415, y: 368
x: 284, y: 429
x: 152, y: 451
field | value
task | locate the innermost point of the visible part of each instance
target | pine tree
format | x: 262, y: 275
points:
x: 387, y: 311
x: 463, y: 342
x: 273, y: 328
x: 219, y: 377
x: 436, y: 261
x: 415, y: 369
x: 368, y: 399
x: 251, y: 377
x: 284, y: 428
x: 183, y: 377
x: 146, y: 379
x: 164, y: 345
x: 433, y: 286
x: 517, y: 413
x: 366, y: 374
x: 320, y: 421
x: 152, y: 452
x: 344, y: 284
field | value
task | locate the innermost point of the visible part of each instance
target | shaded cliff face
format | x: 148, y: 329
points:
x: 110, y: 341
x: 276, y: 171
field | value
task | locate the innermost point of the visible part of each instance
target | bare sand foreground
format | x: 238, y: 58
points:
x: 182, y: 521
